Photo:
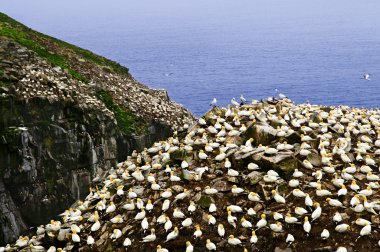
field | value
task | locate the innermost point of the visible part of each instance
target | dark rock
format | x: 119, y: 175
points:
x: 284, y: 161
x: 253, y: 178
x: 261, y: 133
x: 323, y: 249
x: 315, y: 159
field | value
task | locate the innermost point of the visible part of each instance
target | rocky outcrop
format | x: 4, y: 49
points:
x: 67, y: 115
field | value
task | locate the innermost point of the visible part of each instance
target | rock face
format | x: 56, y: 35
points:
x: 63, y: 124
x: 49, y: 162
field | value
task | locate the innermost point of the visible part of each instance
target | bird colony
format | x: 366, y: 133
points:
x: 36, y: 78
x: 266, y: 176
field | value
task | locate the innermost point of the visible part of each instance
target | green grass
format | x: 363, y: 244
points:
x: 116, y: 67
x: 36, y: 41
x: 126, y: 121
x: 17, y: 33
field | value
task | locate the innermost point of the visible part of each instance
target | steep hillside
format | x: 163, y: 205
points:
x: 66, y: 116
x: 266, y: 176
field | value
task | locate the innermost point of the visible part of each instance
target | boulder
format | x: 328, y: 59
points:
x: 285, y: 161
x: 261, y: 133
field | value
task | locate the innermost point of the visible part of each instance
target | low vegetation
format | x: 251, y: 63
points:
x: 125, y: 119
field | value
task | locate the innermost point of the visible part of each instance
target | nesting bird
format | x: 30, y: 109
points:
x: 301, y: 172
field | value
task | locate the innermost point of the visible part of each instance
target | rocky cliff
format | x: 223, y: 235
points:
x: 67, y: 115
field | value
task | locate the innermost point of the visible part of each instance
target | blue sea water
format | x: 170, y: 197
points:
x: 199, y: 49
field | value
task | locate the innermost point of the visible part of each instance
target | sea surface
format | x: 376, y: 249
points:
x: 199, y: 49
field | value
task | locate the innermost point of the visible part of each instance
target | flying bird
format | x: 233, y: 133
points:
x: 366, y: 77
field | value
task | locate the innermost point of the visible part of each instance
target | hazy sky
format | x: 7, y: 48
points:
x: 184, y: 12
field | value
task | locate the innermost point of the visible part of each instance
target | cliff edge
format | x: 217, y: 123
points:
x: 67, y: 115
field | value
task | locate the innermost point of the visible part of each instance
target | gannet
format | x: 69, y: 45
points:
x: 262, y: 222
x: 289, y: 239
x: 213, y: 102
x: 178, y: 214
x: 161, y: 249
x: 127, y: 242
x: 234, y: 102
x: 276, y: 227
x: 277, y: 197
x: 189, y: 247
x: 75, y: 237
x: 116, y: 234
x: 233, y: 241
x: 325, y: 234
x: 168, y: 224
x: 198, y: 232
x: 342, y: 228
x: 172, y: 235
x: 306, y: 226
x: 366, y: 77
x: 221, y: 230
x: 151, y: 237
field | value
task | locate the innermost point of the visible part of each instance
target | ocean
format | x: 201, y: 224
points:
x: 313, y: 51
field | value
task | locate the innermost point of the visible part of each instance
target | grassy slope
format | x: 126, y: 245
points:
x: 38, y: 42
x: 42, y: 45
